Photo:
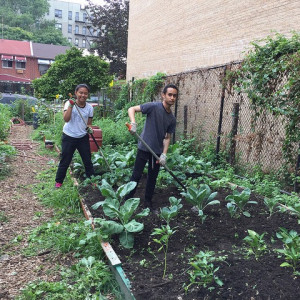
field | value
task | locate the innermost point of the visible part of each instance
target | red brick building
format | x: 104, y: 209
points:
x: 23, y: 61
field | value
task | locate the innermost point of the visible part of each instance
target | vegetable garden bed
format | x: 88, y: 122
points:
x: 237, y: 273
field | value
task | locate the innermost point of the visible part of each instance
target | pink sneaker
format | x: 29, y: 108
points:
x: 58, y: 185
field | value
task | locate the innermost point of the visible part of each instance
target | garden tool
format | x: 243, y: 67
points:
x: 154, y: 154
x: 92, y: 137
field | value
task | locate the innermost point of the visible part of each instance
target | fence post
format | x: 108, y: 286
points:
x: 220, y: 119
x: 185, y: 110
x: 296, y: 189
x: 131, y: 90
x: 235, y: 119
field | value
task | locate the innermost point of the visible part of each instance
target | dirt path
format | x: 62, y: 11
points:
x: 23, y: 212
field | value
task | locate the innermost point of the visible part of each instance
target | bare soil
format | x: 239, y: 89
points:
x: 23, y: 212
x: 243, y: 278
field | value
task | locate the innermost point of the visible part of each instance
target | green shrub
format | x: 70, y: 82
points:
x: 5, y: 116
x: 114, y: 132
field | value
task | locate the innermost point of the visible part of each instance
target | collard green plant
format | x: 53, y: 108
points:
x: 200, y: 198
x: 168, y: 213
x: 233, y: 210
x: 241, y: 199
x: 271, y: 204
x: 256, y: 243
x: 122, y: 220
x: 291, y: 248
x: 203, y: 272
x: 165, y: 231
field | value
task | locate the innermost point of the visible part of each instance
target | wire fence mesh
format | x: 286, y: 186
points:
x: 211, y: 112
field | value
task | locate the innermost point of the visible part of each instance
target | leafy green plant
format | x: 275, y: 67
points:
x: 271, y: 204
x: 92, y: 181
x: 256, y: 243
x: 291, y: 248
x: 88, y: 279
x: 63, y: 237
x: 200, y: 198
x: 233, y: 210
x: 5, y: 116
x: 165, y: 231
x: 122, y: 219
x: 6, y: 151
x: 203, y: 272
x: 241, y: 199
x: 168, y: 213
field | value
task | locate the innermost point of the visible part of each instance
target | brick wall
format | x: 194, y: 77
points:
x: 30, y: 72
x: 175, y: 36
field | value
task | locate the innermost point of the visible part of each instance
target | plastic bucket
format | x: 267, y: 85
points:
x: 98, y: 137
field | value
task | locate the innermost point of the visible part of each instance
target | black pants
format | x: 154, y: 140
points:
x: 69, y: 145
x: 142, y: 157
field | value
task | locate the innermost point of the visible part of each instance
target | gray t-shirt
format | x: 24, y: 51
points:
x: 76, y: 127
x: 158, y: 123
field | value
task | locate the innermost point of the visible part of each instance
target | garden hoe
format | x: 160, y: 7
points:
x: 157, y: 158
x: 93, y: 137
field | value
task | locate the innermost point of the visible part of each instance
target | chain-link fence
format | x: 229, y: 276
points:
x: 211, y: 112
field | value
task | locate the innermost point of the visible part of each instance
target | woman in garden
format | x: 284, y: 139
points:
x: 159, y: 126
x: 75, y: 133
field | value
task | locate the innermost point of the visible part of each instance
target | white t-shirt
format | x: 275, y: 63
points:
x: 76, y: 127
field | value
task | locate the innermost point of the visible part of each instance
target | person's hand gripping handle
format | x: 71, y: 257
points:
x: 131, y: 127
x: 71, y: 102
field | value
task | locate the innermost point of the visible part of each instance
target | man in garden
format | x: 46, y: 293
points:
x: 159, y: 125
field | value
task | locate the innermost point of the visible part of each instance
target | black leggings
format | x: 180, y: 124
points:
x: 69, y: 145
x: 142, y: 157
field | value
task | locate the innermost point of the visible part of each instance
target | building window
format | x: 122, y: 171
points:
x: 58, y: 26
x: 7, y: 61
x: 70, y: 40
x: 76, y: 42
x: 76, y: 29
x: 6, y: 64
x: 84, y: 17
x: 83, y: 43
x: 84, y: 30
x: 70, y: 28
x: 70, y: 15
x: 77, y: 16
x: 58, y: 13
x: 20, y: 62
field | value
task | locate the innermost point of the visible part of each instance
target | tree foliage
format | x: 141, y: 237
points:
x: 269, y: 75
x: 23, y: 13
x: 23, y: 20
x: 70, y: 69
x: 111, y: 19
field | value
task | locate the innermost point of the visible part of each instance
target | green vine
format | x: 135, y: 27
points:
x: 270, y: 76
x: 142, y: 90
